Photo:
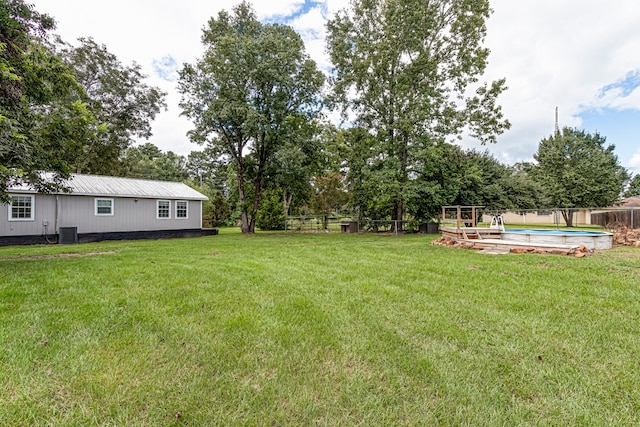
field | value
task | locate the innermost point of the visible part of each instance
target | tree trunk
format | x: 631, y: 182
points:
x: 257, y: 183
x: 244, y: 217
x: 567, y: 215
x: 287, y: 198
x: 245, y: 222
x: 398, y: 207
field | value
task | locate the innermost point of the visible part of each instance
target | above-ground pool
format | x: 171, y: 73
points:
x: 590, y: 239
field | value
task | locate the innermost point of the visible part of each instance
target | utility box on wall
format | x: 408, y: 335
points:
x: 68, y: 235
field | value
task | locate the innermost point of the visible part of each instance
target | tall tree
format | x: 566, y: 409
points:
x: 577, y: 170
x: 294, y: 165
x: 329, y: 193
x: 250, y: 92
x: 405, y: 68
x: 487, y: 182
x: 44, y: 121
x: 119, y: 98
x: 149, y: 162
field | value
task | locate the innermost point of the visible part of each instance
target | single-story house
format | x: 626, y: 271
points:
x: 102, y: 208
x: 548, y: 216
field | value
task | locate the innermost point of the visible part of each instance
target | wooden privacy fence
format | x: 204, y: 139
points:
x: 615, y: 218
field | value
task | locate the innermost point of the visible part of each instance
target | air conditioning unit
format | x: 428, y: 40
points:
x: 68, y: 235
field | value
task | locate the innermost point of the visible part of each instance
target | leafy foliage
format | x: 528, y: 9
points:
x: 118, y: 97
x: 295, y: 164
x: 44, y: 121
x: 329, y: 193
x: 271, y: 215
x: 405, y: 69
x: 251, y: 92
x: 634, y: 187
x: 577, y: 170
x: 442, y: 174
x: 74, y: 109
x: 149, y: 162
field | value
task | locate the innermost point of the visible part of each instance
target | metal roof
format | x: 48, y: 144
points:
x: 111, y: 186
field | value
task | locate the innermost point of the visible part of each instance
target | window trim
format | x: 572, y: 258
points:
x: 95, y: 206
x: 186, y: 204
x: 158, y: 209
x: 32, y: 216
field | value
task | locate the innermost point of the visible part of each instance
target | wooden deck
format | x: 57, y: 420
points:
x: 470, y: 233
x: 490, y: 239
x: 499, y: 244
x: 460, y: 230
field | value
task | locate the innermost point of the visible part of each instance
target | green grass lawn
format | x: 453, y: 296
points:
x: 316, y: 329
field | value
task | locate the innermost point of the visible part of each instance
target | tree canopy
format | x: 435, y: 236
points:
x: 406, y: 69
x: 118, y: 97
x: 63, y: 110
x: 44, y: 120
x: 576, y: 170
x: 634, y: 187
x: 406, y: 77
x: 253, y: 90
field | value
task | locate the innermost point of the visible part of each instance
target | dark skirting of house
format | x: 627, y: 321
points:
x: 97, y: 237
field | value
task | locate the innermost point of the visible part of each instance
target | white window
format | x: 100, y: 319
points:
x: 182, y: 209
x: 104, y: 207
x: 164, y: 209
x: 21, y: 208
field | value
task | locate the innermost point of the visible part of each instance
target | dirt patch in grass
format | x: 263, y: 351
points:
x: 52, y: 256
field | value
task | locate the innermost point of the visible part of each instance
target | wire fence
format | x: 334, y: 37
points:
x: 327, y: 223
x: 614, y: 217
x: 610, y: 218
x: 315, y: 223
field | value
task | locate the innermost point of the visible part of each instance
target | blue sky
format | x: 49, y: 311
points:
x: 577, y: 55
x: 621, y: 128
x: 617, y: 116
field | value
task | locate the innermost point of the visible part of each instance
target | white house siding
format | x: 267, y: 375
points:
x: 129, y: 214
x: 135, y: 208
x: 44, y: 211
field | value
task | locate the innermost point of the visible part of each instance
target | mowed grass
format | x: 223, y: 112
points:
x: 316, y: 329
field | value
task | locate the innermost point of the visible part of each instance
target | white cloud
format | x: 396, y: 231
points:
x: 276, y: 8
x: 556, y: 54
x: 617, y: 99
x: 311, y: 23
x: 311, y: 27
x: 166, y: 68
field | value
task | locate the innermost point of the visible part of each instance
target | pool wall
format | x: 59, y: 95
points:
x: 590, y: 239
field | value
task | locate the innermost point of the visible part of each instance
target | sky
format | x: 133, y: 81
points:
x: 580, y: 56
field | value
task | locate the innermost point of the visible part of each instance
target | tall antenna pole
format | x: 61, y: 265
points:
x: 557, y: 127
